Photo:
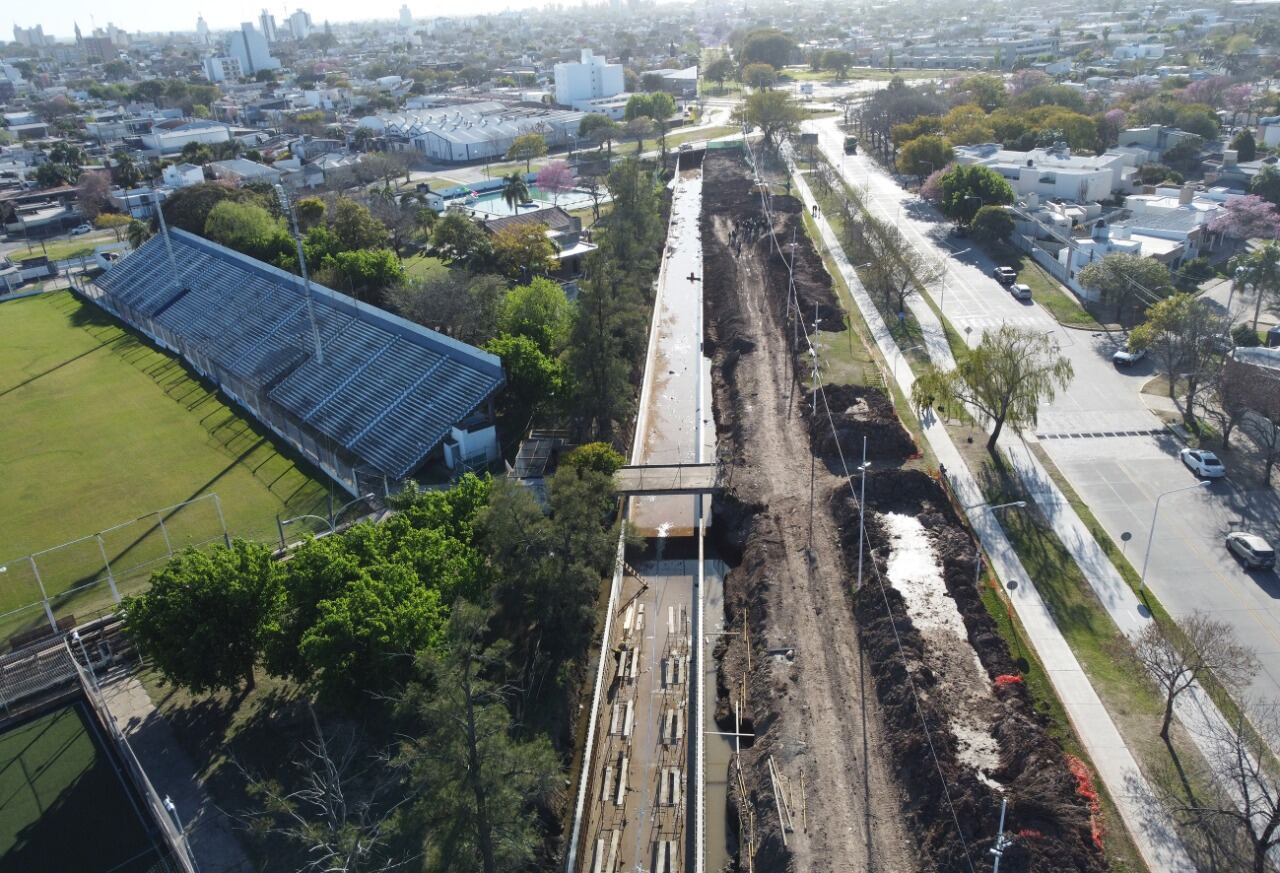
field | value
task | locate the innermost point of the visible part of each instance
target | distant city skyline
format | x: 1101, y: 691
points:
x: 59, y: 17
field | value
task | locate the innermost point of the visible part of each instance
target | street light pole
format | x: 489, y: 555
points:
x: 982, y: 507
x: 862, y: 502
x: 1151, y: 535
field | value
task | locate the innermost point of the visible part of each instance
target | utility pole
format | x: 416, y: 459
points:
x: 1002, y: 842
x: 862, y: 502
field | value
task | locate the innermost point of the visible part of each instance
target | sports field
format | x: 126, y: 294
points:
x: 62, y: 804
x: 97, y: 428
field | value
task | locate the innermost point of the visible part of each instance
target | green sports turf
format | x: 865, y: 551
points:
x: 63, y: 807
x: 98, y: 427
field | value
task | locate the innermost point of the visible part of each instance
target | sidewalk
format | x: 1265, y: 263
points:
x: 209, y: 830
x: 1151, y: 829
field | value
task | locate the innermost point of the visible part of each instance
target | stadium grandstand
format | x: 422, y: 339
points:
x: 377, y: 400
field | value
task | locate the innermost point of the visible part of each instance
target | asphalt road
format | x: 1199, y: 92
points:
x: 1102, y: 436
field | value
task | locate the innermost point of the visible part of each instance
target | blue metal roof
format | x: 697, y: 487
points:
x: 388, y: 390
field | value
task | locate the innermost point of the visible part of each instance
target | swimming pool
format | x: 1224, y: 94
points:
x: 491, y: 204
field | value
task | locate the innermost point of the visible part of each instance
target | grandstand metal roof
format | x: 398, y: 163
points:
x: 388, y: 390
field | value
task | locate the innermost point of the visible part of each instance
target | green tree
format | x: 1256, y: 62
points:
x: 759, y: 75
x: 1245, y: 145
x: 1179, y: 333
x: 924, y: 154
x: 599, y: 457
x: 719, y: 70
x: 310, y: 211
x: 1267, y: 184
x: 250, y: 229
x: 1262, y: 270
x: 533, y: 377
x: 1004, y: 380
x: 1127, y: 280
x: 113, y: 221
x: 197, y: 153
x: 514, y: 191
x: 480, y: 786
x: 203, y: 619
x: 526, y: 147
x: 966, y: 189
x: 523, y: 251
x: 766, y: 46
x: 992, y: 224
x: 599, y: 129
x: 124, y: 170
x: 355, y: 227
x: 138, y: 233
x: 838, y: 61
x: 458, y: 239
x: 541, y: 312
x: 365, y: 274
x: 638, y: 129
x: 774, y: 112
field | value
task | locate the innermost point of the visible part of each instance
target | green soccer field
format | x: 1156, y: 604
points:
x: 97, y: 428
x: 62, y: 804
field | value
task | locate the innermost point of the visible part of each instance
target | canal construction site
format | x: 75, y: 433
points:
x: 756, y: 709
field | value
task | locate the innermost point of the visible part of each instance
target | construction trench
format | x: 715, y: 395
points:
x: 886, y: 723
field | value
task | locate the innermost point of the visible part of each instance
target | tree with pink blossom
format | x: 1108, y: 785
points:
x: 555, y: 179
x: 931, y: 188
x: 1238, y: 99
x: 1210, y: 91
x: 1113, y: 121
x: 1248, y: 217
x: 1024, y: 80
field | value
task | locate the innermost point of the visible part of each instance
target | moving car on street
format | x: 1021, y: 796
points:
x: 1204, y: 464
x: 1005, y: 275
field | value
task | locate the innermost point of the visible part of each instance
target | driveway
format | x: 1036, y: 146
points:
x: 1101, y: 435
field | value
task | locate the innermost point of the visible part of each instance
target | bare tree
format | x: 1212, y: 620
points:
x: 343, y: 813
x: 1240, y: 757
x: 1224, y: 401
x: 1207, y: 647
x: 1264, y: 430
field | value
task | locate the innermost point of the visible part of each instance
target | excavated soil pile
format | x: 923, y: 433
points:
x: 791, y: 663
x: 1047, y: 815
x: 859, y: 412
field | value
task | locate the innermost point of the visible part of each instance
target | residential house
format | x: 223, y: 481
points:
x: 241, y: 170
x: 182, y: 175
x: 1054, y: 173
x: 564, y: 231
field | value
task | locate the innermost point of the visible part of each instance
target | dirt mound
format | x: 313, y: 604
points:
x: 859, y: 412
x: 1052, y: 820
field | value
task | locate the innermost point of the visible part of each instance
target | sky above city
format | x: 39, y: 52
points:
x: 58, y: 17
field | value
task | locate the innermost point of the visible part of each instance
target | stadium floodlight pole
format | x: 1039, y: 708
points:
x: 168, y: 246
x: 302, y: 265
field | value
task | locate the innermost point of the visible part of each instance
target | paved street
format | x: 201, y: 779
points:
x: 1087, y: 432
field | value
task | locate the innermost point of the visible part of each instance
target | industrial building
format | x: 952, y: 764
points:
x: 472, y: 131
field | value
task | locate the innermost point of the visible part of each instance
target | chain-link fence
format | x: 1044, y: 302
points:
x: 87, y: 577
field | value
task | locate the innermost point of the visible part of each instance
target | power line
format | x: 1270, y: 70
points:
x: 848, y: 478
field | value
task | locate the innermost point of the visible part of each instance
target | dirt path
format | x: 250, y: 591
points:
x: 813, y: 710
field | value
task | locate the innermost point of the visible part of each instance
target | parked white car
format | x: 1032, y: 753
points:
x: 1252, y: 550
x: 1127, y: 358
x: 81, y: 229
x: 1020, y: 291
x: 1204, y: 464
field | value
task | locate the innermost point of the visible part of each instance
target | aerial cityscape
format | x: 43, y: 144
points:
x: 639, y: 437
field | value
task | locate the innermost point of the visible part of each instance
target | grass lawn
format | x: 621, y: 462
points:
x: 98, y: 427
x: 420, y: 267
x: 58, y: 250
x: 65, y: 808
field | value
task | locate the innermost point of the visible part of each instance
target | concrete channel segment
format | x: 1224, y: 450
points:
x: 642, y: 799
